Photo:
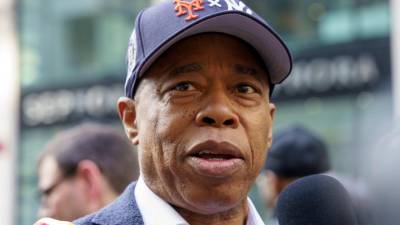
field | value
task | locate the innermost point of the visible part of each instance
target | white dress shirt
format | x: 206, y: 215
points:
x: 156, y: 211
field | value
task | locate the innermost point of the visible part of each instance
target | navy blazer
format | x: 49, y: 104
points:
x: 122, y: 211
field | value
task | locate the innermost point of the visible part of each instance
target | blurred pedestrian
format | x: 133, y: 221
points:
x: 297, y: 152
x: 83, y: 169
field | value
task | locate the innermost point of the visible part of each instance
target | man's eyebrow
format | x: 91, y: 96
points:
x: 193, y: 67
x: 241, y: 69
x: 249, y: 70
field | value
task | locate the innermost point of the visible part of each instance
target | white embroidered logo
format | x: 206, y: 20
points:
x: 132, y: 53
x: 212, y: 3
x: 240, y: 6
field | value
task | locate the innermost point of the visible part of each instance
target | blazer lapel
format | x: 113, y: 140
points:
x: 123, y: 211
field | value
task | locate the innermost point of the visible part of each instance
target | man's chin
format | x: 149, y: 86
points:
x: 214, y: 198
x: 213, y: 206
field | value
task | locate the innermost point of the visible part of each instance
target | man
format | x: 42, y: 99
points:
x: 296, y: 152
x: 83, y: 169
x: 197, y: 106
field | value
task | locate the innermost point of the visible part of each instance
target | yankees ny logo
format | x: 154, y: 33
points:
x: 183, y: 7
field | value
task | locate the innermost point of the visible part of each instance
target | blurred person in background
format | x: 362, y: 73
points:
x: 83, y: 169
x: 297, y: 152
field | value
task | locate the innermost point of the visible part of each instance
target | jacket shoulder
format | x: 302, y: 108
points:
x: 123, y: 211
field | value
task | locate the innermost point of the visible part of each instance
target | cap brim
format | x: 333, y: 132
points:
x: 267, y: 43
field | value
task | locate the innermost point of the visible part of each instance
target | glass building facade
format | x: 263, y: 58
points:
x: 73, y: 69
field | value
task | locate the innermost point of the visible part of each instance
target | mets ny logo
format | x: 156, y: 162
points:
x: 188, y: 8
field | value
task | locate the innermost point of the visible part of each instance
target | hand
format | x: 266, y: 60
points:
x: 50, y: 221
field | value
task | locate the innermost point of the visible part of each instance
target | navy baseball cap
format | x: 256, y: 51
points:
x: 297, y: 152
x: 159, y: 27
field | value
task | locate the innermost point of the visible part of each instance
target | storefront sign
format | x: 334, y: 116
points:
x: 64, y: 105
x: 340, y: 69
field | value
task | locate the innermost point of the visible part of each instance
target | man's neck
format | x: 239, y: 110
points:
x: 234, y: 216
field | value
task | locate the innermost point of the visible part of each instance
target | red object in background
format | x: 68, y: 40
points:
x: 2, y: 147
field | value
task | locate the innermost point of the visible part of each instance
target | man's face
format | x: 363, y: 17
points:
x: 62, y: 198
x: 203, y: 122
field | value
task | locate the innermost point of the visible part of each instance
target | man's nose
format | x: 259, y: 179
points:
x: 217, y: 111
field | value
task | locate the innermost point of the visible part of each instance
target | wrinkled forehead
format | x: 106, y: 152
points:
x: 208, y: 44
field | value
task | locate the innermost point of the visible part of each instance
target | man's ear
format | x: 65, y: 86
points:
x: 89, y: 173
x: 272, y: 110
x: 127, y: 114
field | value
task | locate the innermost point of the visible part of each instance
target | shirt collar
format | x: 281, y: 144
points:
x: 148, y: 201
x: 253, y: 218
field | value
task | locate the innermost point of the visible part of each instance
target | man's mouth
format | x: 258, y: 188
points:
x: 215, y: 159
x: 208, y: 155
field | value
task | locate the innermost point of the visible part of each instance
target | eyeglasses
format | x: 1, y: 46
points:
x: 45, y: 193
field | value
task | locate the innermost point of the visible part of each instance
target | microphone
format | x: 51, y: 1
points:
x: 315, y: 200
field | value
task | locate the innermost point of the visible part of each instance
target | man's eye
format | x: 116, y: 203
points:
x: 245, y: 89
x: 184, y: 86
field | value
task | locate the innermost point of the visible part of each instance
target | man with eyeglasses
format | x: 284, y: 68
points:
x: 83, y: 169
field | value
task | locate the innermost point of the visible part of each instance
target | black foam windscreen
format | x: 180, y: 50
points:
x: 315, y: 200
